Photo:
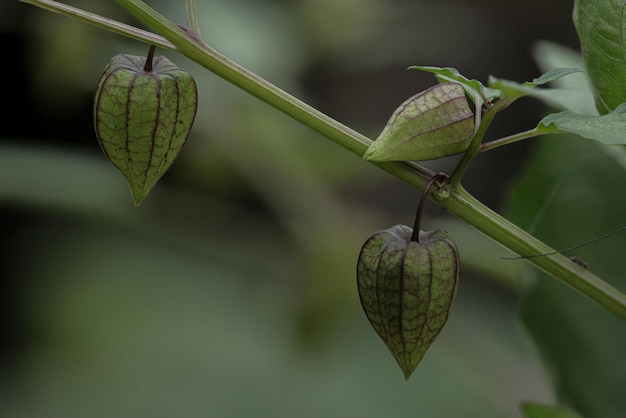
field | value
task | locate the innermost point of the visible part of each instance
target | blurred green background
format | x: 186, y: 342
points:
x: 231, y: 291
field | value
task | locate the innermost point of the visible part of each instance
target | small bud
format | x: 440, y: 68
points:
x: 143, y: 113
x: 432, y: 124
x: 407, y: 289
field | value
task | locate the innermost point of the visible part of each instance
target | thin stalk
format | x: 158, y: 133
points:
x: 192, y: 18
x: 149, y: 59
x: 454, y: 199
x: 103, y: 22
x: 420, y: 207
x: 531, y: 133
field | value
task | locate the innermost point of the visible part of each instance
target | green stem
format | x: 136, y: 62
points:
x: 531, y: 133
x: 149, y: 59
x: 192, y: 18
x: 420, y: 207
x: 102, y: 22
x: 234, y: 73
x: 474, y: 147
x: 467, y: 208
x: 454, y: 198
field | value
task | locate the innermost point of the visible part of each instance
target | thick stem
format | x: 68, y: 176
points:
x: 464, y: 206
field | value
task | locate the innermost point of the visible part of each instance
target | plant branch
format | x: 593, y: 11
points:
x: 467, y: 208
x: 209, y: 58
x: 102, y: 22
x: 453, y: 198
x: 217, y: 63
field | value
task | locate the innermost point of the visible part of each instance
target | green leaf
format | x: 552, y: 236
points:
x: 514, y: 90
x: 552, y: 75
x: 474, y: 88
x: 532, y: 410
x: 609, y: 129
x: 574, y: 93
x: 432, y: 124
x: 500, y: 88
x: 580, y: 194
x: 601, y: 29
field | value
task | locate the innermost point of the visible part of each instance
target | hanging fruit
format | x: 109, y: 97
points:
x: 407, y: 281
x: 144, y: 109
